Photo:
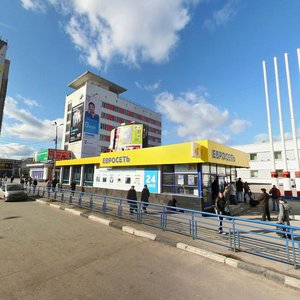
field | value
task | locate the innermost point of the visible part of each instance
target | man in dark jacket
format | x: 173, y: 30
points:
x: 131, y: 195
x: 220, y: 205
x: 145, y: 197
x: 264, y: 202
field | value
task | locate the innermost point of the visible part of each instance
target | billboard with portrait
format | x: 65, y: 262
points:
x: 91, y: 125
x: 76, y: 123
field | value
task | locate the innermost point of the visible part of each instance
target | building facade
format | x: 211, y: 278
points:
x: 187, y: 169
x: 94, y: 109
x: 261, y: 165
x: 4, y: 69
x: 10, y: 167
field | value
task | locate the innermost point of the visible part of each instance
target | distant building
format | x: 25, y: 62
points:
x: 41, y: 165
x: 94, y: 109
x: 261, y: 165
x: 4, y: 68
x: 10, y: 167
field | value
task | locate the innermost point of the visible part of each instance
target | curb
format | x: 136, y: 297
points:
x: 269, y: 274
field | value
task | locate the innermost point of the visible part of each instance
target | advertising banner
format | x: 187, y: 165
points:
x: 76, y: 123
x: 91, y: 124
x: 60, y: 154
x: 151, y: 179
x: 41, y: 155
x: 129, y: 137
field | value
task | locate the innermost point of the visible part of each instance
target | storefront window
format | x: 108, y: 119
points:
x: 76, y: 174
x: 66, y: 175
x: 88, y: 175
x: 213, y: 169
x: 221, y: 170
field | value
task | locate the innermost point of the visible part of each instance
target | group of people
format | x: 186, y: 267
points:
x: 224, y: 199
x: 132, y: 195
x: 238, y: 191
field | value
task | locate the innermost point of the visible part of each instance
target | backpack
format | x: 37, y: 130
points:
x: 277, y: 193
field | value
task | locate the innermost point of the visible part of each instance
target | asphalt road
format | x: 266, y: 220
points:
x: 47, y: 253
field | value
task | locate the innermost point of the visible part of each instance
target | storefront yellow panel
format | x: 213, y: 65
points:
x: 220, y: 154
x: 193, y: 152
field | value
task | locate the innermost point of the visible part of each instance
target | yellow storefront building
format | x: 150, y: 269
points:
x: 180, y: 170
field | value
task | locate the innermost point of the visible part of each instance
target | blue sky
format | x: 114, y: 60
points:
x: 199, y: 63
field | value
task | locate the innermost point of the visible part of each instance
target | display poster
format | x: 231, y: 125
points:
x: 191, y: 179
x: 129, y: 137
x: 41, y: 155
x: 76, y: 123
x: 151, y: 179
x: 180, y: 180
x: 91, y: 124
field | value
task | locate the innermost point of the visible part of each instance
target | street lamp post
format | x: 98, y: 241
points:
x: 55, y: 148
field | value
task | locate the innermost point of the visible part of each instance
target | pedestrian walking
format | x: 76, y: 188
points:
x: 264, y: 202
x: 34, y: 184
x: 131, y: 195
x: 145, y: 197
x: 275, y: 194
x: 220, y: 211
x: 283, y: 216
x: 73, y: 187
x: 239, y: 190
x: 232, y: 194
x: 214, y: 189
x: 247, y: 192
x: 54, y: 183
x: 227, y: 199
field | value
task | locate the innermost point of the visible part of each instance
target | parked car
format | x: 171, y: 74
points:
x: 13, y: 191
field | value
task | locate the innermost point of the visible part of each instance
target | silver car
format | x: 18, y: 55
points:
x: 13, y: 191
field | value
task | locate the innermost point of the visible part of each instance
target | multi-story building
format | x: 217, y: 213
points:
x: 4, y: 68
x: 10, y: 167
x: 261, y: 164
x: 94, y: 109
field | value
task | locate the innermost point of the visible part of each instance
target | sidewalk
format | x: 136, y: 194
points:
x: 283, y: 273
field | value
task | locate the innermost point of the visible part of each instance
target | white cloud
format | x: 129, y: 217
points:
x: 35, y: 5
x: 195, y: 118
x: 29, y: 102
x: 222, y: 16
x: 148, y: 87
x: 238, y: 126
x: 132, y: 31
x: 16, y: 151
x: 20, y: 124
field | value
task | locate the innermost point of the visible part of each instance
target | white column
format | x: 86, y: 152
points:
x: 81, y: 175
x: 286, y: 179
x: 297, y: 180
x: 274, y: 178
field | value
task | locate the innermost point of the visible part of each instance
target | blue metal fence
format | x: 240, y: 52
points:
x: 267, y: 239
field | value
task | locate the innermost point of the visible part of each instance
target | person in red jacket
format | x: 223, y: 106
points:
x: 275, y: 194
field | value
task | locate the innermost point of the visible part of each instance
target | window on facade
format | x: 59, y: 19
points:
x: 76, y: 174
x: 253, y: 173
x: 70, y: 106
x: 103, y: 149
x: 168, y: 168
x: 253, y: 156
x: 116, y: 108
x: 66, y: 175
x: 277, y: 155
x: 68, y: 117
x: 88, y: 175
x: 103, y: 126
x: 279, y: 172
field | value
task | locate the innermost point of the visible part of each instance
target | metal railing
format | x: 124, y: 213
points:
x: 266, y: 239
